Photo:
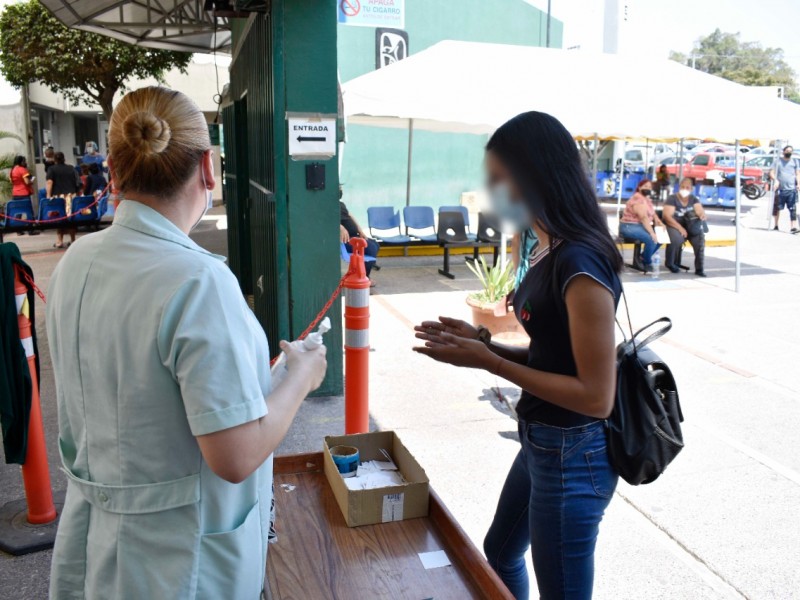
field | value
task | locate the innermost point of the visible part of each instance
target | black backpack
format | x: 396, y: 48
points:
x: 644, y: 429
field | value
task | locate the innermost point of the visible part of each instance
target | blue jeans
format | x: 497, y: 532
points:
x: 636, y: 231
x: 553, y: 499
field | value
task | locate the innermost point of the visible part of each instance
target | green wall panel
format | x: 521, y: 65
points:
x: 444, y: 165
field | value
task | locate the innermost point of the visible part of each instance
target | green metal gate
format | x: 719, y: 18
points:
x: 236, y: 187
x: 284, y: 62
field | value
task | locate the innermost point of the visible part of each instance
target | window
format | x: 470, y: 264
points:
x: 701, y: 160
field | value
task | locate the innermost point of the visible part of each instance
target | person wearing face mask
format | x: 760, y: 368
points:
x: 786, y: 173
x: 167, y: 417
x: 92, y: 155
x: 639, y: 220
x: 561, y: 481
x: 685, y: 218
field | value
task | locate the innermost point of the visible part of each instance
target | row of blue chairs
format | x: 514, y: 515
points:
x: 51, y: 213
x: 450, y: 230
x: 417, y: 226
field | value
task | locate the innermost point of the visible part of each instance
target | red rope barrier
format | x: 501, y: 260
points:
x: 321, y: 313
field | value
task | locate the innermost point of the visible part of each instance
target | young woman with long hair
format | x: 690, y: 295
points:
x: 561, y: 481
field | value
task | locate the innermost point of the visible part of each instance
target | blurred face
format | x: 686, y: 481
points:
x: 787, y: 152
x: 498, y: 173
x: 505, y: 196
x: 686, y: 186
x: 647, y: 186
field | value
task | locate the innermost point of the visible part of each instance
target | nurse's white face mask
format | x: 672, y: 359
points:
x: 209, y: 198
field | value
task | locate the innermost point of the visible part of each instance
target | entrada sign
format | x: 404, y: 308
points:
x: 310, y: 136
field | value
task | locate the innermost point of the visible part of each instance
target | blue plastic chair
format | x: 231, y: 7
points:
x: 52, y: 208
x: 707, y: 195
x: 346, y: 255
x: 629, y: 184
x: 80, y: 204
x: 463, y: 210
x: 420, y: 218
x: 102, y: 206
x: 386, y: 218
x: 20, y: 209
x: 726, y: 197
x: 42, y: 194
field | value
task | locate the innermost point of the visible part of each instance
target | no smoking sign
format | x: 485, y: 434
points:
x: 350, y: 8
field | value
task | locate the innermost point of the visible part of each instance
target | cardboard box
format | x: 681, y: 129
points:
x: 380, y: 505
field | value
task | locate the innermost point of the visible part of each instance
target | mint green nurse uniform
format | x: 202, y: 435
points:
x: 153, y: 344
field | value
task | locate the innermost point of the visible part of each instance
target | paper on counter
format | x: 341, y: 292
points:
x: 434, y: 560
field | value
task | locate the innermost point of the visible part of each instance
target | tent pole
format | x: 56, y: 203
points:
x: 594, y: 161
x: 620, y: 179
x: 410, y: 151
x: 738, y: 213
x: 680, y: 162
x: 771, y: 192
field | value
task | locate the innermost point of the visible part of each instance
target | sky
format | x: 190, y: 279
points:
x: 655, y: 27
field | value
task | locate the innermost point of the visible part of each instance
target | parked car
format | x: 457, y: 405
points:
x: 761, y: 162
x: 711, y: 147
x: 702, y: 167
x: 673, y: 160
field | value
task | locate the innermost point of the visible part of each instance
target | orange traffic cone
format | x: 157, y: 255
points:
x: 35, y: 472
x: 356, y: 342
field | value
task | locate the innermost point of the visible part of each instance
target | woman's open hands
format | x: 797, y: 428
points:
x: 452, y: 341
x: 455, y: 327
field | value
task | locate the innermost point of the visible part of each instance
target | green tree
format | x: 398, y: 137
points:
x: 82, y: 66
x: 748, y: 63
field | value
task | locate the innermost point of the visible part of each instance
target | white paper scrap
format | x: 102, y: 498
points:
x: 288, y: 487
x: 434, y: 560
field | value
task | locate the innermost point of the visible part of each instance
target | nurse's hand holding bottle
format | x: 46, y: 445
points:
x: 309, y: 365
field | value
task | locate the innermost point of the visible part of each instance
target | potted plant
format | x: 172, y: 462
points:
x: 488, y: 304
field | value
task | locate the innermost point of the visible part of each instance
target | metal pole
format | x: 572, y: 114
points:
x: 738, y: 213
x: 770, y: 195
x: 620, y: 179
x: 547, y: 45
x: 410, y: 151
x: 594, y: 161
x: 680, y: 162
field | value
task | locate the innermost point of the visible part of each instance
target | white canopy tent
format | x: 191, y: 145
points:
x: 473, y: 87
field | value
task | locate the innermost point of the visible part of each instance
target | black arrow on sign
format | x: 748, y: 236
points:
x: 300, y: 138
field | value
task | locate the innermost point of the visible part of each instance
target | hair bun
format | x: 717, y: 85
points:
x: 146, y: 133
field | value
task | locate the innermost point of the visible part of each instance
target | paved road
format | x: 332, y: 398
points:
x: 721, y: 523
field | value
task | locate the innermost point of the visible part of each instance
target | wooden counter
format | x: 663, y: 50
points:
x: 317, y: 557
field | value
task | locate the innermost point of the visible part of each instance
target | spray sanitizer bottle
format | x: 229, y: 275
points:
x: 312, y: 342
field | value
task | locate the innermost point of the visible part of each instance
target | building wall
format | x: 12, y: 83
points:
x: 374, y: 163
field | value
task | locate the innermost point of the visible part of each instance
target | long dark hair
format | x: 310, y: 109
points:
x: 19, y: 160
x: 546, y: 165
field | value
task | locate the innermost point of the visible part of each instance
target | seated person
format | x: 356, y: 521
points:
x: 349, y: 227
x: 662, y: 184
x: 96, y: 181
x: 638, y: 221
x: 685, y: 216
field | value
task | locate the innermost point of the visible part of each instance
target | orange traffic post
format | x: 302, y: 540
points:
x: 356, y: 342
x: 35, y: 472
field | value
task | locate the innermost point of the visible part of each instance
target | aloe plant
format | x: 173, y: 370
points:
x: 497, y: 281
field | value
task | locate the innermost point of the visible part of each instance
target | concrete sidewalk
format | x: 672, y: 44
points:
x: 721, y: 523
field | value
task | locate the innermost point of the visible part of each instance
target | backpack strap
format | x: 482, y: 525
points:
x: 656, y: 334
